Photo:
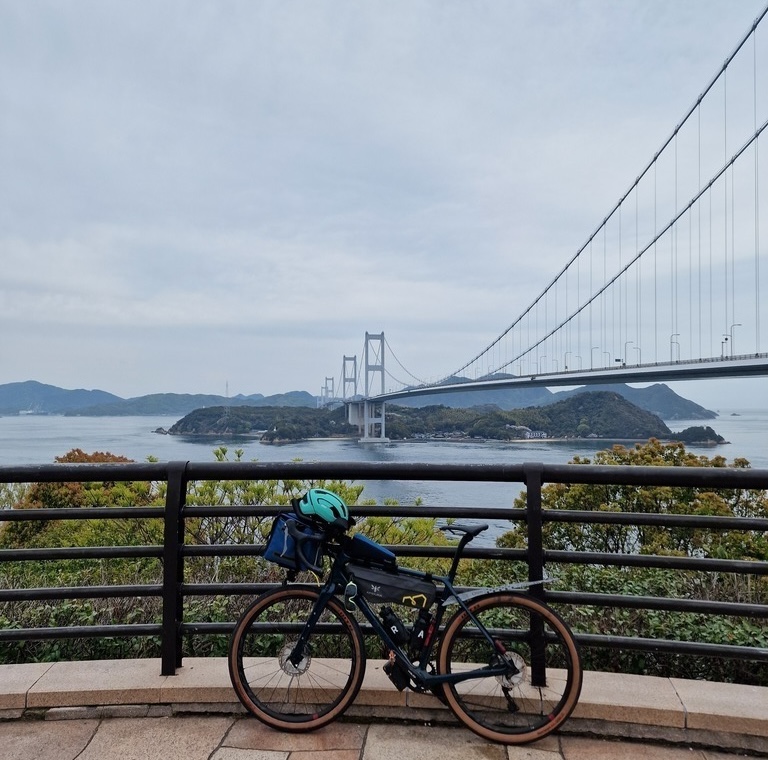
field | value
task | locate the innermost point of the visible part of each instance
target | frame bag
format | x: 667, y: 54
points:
x: 382, y: 586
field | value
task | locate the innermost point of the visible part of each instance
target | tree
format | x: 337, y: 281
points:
x: 651, y: 499
x: 137, y: 571
x: 658, y: 582
x: 88, y: 494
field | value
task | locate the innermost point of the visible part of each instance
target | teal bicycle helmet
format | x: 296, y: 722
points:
x: 320, y: 505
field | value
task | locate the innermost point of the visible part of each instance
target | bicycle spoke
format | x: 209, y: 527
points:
x: 315, y: 690
x: 543, y: 680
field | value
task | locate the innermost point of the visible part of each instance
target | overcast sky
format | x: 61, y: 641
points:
x: 200, y: 196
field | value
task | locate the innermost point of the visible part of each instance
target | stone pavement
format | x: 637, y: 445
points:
x: 236, y: 738
x: 124, y: 709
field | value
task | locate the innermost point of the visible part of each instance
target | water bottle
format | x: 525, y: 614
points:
x: 394, y: 625
x: 419, y: 634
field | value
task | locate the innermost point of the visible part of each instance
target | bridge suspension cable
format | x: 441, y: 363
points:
x: 668, y: 174
x: 400, y: 364
x: 632, y: 261
x: 676, y: 264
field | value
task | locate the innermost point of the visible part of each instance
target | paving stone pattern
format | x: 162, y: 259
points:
x: 209, y: 737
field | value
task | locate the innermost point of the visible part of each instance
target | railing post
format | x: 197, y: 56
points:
x: 173, y: 567
x: 533, y: 478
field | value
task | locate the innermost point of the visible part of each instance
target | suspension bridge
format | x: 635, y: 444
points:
x: 668, y: 286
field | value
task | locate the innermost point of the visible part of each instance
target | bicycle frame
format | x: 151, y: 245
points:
x: 418, y: 672
x: 336, y: 584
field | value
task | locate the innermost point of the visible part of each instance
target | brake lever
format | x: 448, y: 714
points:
x: 300, y: 539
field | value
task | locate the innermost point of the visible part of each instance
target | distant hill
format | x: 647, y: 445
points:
x: 659, y: 399
x: 508, y: 398
x: 268, y: 423
x: 600, y: 414
x: 590, y: 415
x: 35, y: 397
x: 32, y: 397
x: 184, y: 403
x: 603, y: 414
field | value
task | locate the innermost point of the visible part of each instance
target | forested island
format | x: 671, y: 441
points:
x: 600, y: 414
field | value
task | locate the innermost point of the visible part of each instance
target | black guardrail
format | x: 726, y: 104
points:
x: 174, y: 551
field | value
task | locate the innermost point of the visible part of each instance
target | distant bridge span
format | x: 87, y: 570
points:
x: 369, y: 415
x: 730, y: 367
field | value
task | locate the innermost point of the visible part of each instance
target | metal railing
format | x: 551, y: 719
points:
x: 174, y: 552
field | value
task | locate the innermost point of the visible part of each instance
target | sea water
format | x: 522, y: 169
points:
x: 39, y: 439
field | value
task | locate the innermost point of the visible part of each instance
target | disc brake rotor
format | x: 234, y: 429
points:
x: 288, y: 667
x: 515, y: 679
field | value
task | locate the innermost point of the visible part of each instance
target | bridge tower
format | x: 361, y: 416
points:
x: 374, y: 363
x: 327, y: 393
x: 349, y: 375
x: 368, y: 414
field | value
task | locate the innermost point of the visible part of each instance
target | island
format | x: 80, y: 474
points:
x: 598, y: 414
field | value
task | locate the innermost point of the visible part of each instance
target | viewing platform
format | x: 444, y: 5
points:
x: 125, y: 709
x: 179, y: 707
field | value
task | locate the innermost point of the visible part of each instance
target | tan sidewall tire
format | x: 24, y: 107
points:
x: 304, y: 592
x: 557, y: 623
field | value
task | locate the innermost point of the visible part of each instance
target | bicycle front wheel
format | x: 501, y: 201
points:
x: 285, y: 692
x: 543, y: 680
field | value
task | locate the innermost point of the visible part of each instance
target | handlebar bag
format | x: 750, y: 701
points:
x: 281, y: 545
x: 385, y: 586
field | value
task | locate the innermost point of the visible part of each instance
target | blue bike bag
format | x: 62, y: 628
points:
x: 281, y: 545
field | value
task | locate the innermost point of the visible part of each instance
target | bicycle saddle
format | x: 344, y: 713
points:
x: 470, y: 530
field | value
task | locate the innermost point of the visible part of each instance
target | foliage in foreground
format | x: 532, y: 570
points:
x: 419, y: 531
x: 732, y: 544
x: 147, y: 571
x: 658, y: 582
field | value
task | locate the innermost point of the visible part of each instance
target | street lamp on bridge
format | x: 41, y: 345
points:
x: 626, y: 343
x: 730, y: 335
x: 673, y: 342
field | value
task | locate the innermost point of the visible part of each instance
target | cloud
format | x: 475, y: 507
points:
x: 265, y: 181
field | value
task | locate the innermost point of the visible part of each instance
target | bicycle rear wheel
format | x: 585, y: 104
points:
x: 544, y: 680
x: 316, y: 690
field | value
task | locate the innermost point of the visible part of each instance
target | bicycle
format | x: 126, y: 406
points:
x: 505, y: 663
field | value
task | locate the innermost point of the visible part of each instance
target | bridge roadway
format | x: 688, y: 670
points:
x: 123, y: 709
x: 755, y: 365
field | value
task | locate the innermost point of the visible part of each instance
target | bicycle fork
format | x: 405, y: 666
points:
x: 299, y: 649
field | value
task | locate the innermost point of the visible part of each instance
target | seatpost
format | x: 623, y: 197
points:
x: 463, y: 541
